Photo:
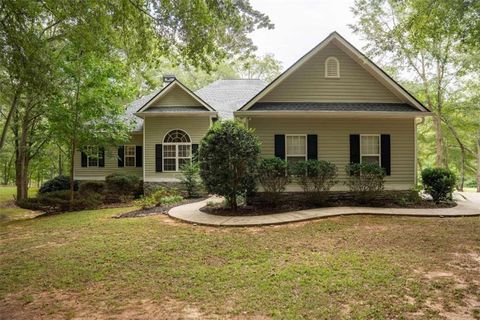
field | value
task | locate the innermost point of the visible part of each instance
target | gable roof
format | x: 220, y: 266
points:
x: 227, y: 96
x: 366, y: 63
x: 164, y: 91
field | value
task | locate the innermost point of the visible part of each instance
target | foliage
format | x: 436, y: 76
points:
x: 91, y: 186
x: 273, y: 176
x: 228, y: 158
x: 161, y: 196
x: 434, y: 44
x: 190, y: 178
x: 315, y: 177
x: 59, y: 201
x: 146, y: 202
x: 56, y: 184
x: 121, y: 186
x: 169, y: 200
x: 366, y: 180
x: 439, y: 183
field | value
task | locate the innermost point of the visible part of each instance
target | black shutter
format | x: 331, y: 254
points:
x: 101, y: 157
x: 121, y: 151
x: 354, y: 148
x: 194, y: 152
x: 138, y: 156
x: 84, y: 159
x: 312, y: 147
x: 386, y: 153
x: 158, y: 157
x: 280, y: 146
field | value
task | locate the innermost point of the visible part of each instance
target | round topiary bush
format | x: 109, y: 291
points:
x: 439, y: 183
x: 228, y: 159
x: 57, y: 184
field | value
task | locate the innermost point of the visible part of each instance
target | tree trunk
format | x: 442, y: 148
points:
x: 478, y: 160
x: 72, y: 161
x: 439, y: 160
x: 60, y: 163
x: 13, y: 108
x: 462, y: 170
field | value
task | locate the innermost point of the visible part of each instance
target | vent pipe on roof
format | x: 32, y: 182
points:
x: 167, y: 78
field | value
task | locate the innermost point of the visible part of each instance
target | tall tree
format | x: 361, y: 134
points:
x: 33, y: 35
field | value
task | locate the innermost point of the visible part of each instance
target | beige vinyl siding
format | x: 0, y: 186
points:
x: 155, y: 130
x: 308, y: 82
x: 176, y: 97
x: 334, y: 143
x: 111, y: 163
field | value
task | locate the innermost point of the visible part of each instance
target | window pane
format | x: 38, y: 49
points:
x: 296, y: 145
x: 92, y: 162
x: 169, y: 151
x: 184, y: 150
x: 130, y: 150
x: 370, y: 145
x: 371, y: 159
x: 169, y: 165
x: 130, y: 161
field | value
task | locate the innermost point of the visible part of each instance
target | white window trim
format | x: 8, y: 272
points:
x: 134, y: 156
x: 338, y: 67
x: 379, y: 155
x: 97, y: 158
x: 177, y: 158
x: 295, y: 155
x: 176, y: 150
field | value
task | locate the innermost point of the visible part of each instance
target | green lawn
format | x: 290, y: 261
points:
x: 8, y: 193
x: 89, y: 265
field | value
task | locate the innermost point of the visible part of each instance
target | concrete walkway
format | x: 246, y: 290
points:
x: 468, y: 205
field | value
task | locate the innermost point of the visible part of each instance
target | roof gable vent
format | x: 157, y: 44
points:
x: 332, y: 68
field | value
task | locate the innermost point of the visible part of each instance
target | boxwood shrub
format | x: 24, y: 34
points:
x: 439, y: 183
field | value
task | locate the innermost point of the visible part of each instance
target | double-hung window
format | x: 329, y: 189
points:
x: 296, y: 148
x: 370, y: 148
x: 129, y: 156
x: 177, y: 150
x: 92, y: 156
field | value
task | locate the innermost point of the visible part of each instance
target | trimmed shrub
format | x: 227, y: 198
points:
x: 273, y: 176
x: 228, y: 160
x: 315, y: 177
x: 366, y: 180
x: 57, y: 184
x: 439, y: 183
x: 121, y: 187
x: 190, y: 179
x: 169, y: 200
x: 59, y: 201
x: 91, y: 186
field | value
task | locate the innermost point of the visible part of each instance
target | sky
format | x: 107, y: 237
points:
x: 300, y: 25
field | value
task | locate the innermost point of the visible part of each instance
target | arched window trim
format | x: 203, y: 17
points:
x: 337, y: 63
x: 175, y: 154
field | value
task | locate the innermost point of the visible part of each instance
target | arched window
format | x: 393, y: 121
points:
x: 332, y: 68
x: 177, y: 150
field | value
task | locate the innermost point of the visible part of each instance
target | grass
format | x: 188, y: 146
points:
x: 87, y: 264
x: 7, y: 193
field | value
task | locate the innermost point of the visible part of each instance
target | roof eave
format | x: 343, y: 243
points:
x: 167, y: 114
x: 343, y: 114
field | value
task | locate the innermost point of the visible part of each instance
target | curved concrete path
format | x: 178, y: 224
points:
x: 468, y: 205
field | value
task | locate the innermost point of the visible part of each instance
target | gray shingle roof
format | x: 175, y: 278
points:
x: 330, y: 106
x: 175, y: 109
x: 227, y: 96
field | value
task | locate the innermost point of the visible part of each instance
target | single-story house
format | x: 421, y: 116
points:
x: 332, y: 104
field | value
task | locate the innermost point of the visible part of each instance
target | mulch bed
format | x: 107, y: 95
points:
x: 263, y: 209
x: 155, y: 210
